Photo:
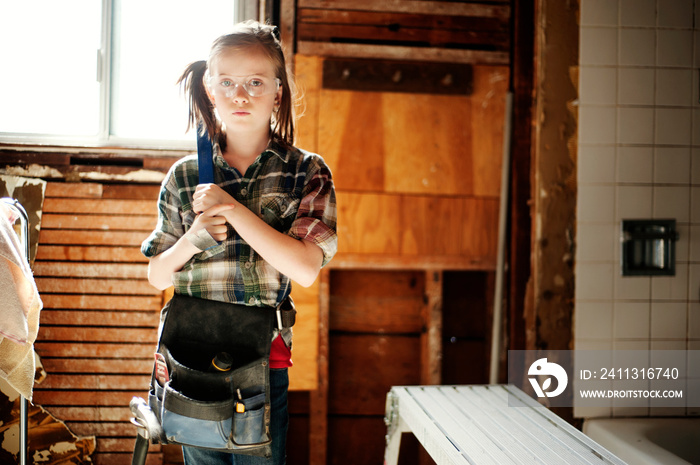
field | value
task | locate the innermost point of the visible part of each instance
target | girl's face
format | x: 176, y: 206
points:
x: 236, y: 74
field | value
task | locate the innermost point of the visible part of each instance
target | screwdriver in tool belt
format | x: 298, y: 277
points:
x: 240, y: 407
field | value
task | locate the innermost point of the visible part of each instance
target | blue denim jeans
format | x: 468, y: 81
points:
x: 279, y: 422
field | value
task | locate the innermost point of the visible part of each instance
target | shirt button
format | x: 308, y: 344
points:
x: 252, y: 301
x: 248, y: 265
x: 244, y: 192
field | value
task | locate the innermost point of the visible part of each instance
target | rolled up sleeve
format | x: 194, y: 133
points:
x: 317, y: 214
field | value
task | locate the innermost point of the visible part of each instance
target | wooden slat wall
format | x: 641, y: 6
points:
x: 100, y: 316
x: 451, y: 31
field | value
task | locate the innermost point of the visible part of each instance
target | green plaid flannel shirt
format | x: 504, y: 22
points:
x: 291, y: 190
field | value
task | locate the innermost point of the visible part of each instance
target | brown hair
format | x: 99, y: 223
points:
x: 245, y: 34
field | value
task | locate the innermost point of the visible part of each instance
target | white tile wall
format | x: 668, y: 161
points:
x: 668, y: 320
x: 596, y: 204
x: 694, y: 321
x: 633, y: 202
x: 639, y: 13
x: 695, y: 166
x: 635, y: 165
x: 671, y: 166
x: 695, y: 204
x: 675, y: 13
x: 637, y: 47
x: 673, y: 86
x: 675, y: 48
x: 596, y: 164
x: 635, y: 86
x: 599, y: 13
x: 599, y: 46
x: 596, y: 318
x: 635, y: 125
x: 672, y: 202
x: 594, y: 281
x: 673, y: 126
x: 632, y: 320
x: 629, y: 288
x: 596, y: 241
x: 599, y: 85
x: 599, y: 125
x: 694, y: 243
x: 638, y: 157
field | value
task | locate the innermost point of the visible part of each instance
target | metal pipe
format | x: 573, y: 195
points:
x: 23, y: 404
x: 502, y: 223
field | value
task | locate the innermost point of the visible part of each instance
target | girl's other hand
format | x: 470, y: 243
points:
x: 208, y: 195
x: 212, y: 222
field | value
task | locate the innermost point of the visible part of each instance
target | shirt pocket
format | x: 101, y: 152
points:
x: 279, y: 210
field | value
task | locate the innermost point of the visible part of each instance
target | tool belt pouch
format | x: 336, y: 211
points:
x: 198, y: 405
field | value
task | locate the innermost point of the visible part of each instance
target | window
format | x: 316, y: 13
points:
x: 104, y: 73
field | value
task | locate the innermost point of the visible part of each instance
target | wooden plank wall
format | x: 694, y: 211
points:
x: 449, y: 31
x: 98, y: 325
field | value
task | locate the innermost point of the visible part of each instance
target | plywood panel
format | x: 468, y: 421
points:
x: 437, y: 158
x: 351, y: 138
x: 308, y: 81
x: 414, y: 143
x: 368, y: 223
x: 486, y: 125
x: 304, y: 375
x: 417, y: 225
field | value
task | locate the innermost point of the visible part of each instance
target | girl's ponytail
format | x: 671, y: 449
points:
x: 201, y: 108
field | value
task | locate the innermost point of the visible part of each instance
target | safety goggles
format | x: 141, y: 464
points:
x: 255, y: 86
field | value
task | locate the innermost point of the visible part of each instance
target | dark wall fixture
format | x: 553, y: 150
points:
x: 649, y: 247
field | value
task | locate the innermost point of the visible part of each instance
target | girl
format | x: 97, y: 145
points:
x: 270, y: 216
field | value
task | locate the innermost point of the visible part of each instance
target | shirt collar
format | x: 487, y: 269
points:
x: 277, y: 149
x: 274, y: 148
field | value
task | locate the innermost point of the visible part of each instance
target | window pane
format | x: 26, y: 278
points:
x: 153, y: 42
x: 49, y: 55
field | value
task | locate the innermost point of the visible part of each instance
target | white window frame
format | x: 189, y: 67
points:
x: 245, y: 9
